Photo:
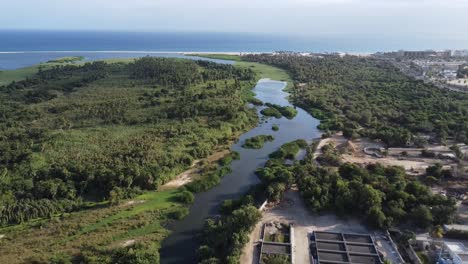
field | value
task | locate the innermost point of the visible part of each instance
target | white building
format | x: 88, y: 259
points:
x: 460, y: 53
x: 457, y: 251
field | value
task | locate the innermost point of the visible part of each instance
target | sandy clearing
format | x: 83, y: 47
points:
x: 128, y: 243
x: 411, y: 166
x: 187, y: 176
x: 336, y: 139
x: 181, y: 179
x: 132, y: 202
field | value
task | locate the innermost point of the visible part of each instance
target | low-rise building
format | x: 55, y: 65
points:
x: 457, y: 252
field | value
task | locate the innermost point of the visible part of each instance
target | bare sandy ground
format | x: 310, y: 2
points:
x: 336, y: 140
x: 188, y: 175
x: 413, y: 164
x: 459, y: 82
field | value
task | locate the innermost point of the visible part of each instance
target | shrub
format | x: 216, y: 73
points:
x: 185, y: 197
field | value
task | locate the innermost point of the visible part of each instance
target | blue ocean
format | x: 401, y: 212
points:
x: 21, y: 48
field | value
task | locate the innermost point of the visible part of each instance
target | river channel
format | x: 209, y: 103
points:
x: 183, y: 242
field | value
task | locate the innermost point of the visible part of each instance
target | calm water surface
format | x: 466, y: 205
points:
x: 182, y: 244
x: 15, y: 60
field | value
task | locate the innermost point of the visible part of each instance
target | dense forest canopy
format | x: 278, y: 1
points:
x: 372, y: 98
x: 385, y: 196
x: 74, y: 133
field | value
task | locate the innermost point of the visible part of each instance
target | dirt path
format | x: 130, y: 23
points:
x: 188, y: 175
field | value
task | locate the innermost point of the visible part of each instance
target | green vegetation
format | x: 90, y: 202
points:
x: 330, y: 156
x: 186, y: 197
x: 462, y: 71
x: 96, y: 235
x: 423, y: 257
x: 257, y: 142
x: 279, y: 111
x: 226, y: 161
x: 286, y: 111
x: 281, y: 235
x: 289, y: 150
x: 263, y: 70
x: 267, y: 71
x: 270, y: 111
x: 72, y: 136
x: 219, y: 56
x: 384, y: 195
x: 275, y: 127
x: 210, y: 177
x: 372, y: 98
x: 8, y: 76
x: 275, y: 259
x: 256, y: 102
x: 128, y: 126
x: 224, y: 238
x: 67, y: 59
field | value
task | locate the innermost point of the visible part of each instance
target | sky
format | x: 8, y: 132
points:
x: 439, y: 18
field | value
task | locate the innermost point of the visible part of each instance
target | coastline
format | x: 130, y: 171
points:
x: 139, y: 51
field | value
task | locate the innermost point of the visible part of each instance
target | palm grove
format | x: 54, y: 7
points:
x: 362, y: 97
x: 371, y: 97
x: 73, y: 134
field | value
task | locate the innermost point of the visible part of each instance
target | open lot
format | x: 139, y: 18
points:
x: 354, y: 151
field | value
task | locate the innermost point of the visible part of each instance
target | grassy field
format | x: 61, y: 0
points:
x: 9, y: 76
x: 71, y: 59
x: 138, y: 220
x: 219, y: 56
x: 263, y: 70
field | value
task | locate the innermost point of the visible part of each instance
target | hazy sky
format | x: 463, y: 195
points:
x: 306, y: 17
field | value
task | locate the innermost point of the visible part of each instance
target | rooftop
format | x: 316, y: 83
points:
x: 340, y: 248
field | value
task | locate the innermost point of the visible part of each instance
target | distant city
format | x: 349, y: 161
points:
x: 444, y: 68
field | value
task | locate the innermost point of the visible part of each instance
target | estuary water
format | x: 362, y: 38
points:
x: 182, y: 244
x: 21, y: 48
x: 15, y: 60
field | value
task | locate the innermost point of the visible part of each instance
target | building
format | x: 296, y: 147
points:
x: 457, y: 252
x: 444, y: 53
x: 418, y: 54
x: 341, y: 248
x: 460, y: 53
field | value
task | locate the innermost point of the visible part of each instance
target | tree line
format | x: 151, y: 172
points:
x: 370, y: 97
x: 72, y: 134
